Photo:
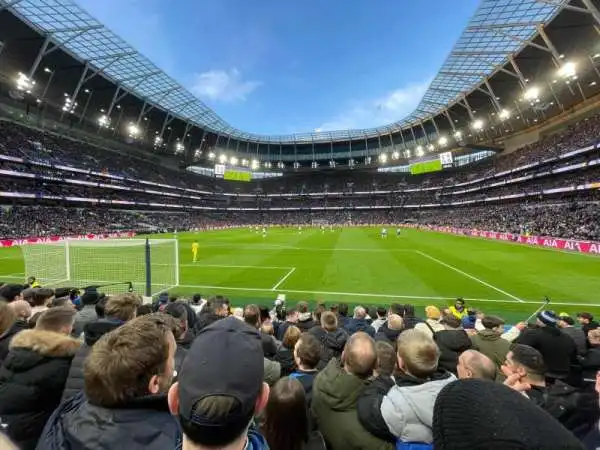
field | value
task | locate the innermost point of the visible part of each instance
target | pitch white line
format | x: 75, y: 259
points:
x: 468, y: 275
x: 292, y: 270
x: 361, y: 294
x: 232, y: 266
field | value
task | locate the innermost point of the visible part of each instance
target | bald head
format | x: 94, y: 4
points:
x: 360, y: 312
x: 473, y: 364
x: 21, y: 308
x: 395, y: 322
x: 359, y: 356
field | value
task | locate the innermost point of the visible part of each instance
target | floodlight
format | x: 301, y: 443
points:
x: 532, y: 94
x: 383, y: 158
x: 457, y: 134
x: 443, y: 141
x: 314, y: 165
x: 222, y: 158
x: 407, y: 153
x: 103, y: 121
x: 244, y: 162
x: 351, y: 162
x: 47, y: 70
x: 296, y: 165
x: 24, y: 83
x: 419, y: 150
x: 157, y: 140
x: 268, y: 165
x: 254, y: 164
x: 504, y: 114
x: 133, y: 129
x: 179, y: 148
x: 211, y: 155
x: 431, y: 147
x: 477, y: 125
x: 368, y: 160
x: 396, y: 155
x: 567, y: 70
x: 332, y: 163
x: 198, y: 153
x: 233, y: 161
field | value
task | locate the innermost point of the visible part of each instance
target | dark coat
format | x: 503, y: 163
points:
x: 143, y: 424
x: 306, y: 324
x: 387, y: 335
x: 332, y: 343
x: 282, y: 328
x: 579, y: 337
x: 590, y: 363
x: 285, y: 358
x: 7, y: 336
x: 92, y: 332
x: 205, y: 318
x: 356, y: 325
x: 451, y: 343
x: 186, y: 340
x: 410, y: 322
x: 558, y: 350
x: 306, y: 379
x: 269, y: 345
x: 32, y: 379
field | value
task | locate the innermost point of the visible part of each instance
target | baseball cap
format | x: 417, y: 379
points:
x: 225, y: 360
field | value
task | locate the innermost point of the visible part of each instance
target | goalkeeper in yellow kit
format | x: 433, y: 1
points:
x: 195, y: 247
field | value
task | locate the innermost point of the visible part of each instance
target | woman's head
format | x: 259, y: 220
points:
x: 286, y: 417
x: 290, y: 337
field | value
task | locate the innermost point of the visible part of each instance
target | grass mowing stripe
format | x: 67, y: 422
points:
x: 472, y: 277
x: 229, y: 266
x: 285, y: 277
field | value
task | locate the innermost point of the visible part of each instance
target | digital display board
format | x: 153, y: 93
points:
x: 434, y: 165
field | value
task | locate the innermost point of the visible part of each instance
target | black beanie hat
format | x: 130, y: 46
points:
x: 478, y: 414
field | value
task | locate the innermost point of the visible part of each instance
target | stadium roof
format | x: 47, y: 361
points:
x: 498, y: 29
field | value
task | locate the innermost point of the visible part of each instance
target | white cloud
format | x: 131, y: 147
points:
x: 223, y: 86
x: 382, y: 111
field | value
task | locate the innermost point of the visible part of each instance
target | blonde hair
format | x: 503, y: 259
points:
x: 122, y: 306
x: 291, y: 336
x: 594, y: 336
x: 419, y: 353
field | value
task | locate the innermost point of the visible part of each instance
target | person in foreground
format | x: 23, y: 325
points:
x: 221, y: 389
x: 335, y: 394
x: 483, y: 415
x: 404, y: 413
x: 285, y: 423
x: 34, y: 373
x: 127, y: 375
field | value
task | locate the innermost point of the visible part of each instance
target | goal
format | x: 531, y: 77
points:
x: 150, y: 266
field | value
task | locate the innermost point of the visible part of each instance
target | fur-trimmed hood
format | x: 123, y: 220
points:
x: 46, y: 343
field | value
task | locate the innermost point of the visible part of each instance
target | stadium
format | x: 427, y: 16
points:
x: 119, y: 181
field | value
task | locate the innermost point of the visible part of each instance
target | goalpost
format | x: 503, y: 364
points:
x: 150, y: 265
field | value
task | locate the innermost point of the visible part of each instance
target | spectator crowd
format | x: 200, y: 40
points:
x: 106, y: 371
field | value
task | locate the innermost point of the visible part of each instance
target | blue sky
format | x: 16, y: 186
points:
x: 283, y: 66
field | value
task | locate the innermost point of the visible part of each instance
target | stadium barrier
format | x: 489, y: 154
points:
x: 51, y: 239
x: 574, y: 245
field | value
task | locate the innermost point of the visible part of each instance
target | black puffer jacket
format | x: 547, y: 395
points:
x: 451, y: 343
x: 332, y: 343
x: 92, y: 332
x: 590, y: 363
x: 387, y: 335
x: 32, y: 379
x: 143, y: 424
x: 7, y: 336
x: 285, y: 358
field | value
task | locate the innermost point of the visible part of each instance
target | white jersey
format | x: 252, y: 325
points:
x: 384, y: 231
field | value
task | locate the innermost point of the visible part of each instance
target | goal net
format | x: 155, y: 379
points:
x: 151, y: 265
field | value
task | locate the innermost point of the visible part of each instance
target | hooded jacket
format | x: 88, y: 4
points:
x: 83, y: 317
x: 558, y: 350
x: 491, y: 344
x: 142, y: 424
x: 451, y: 343
x: 387, y: 335
x: 334, y: 401
x: 332, y: 343
x: 405, y: 412
x: 32, y: 379
x: 356, y: 325
x: 92, y: 332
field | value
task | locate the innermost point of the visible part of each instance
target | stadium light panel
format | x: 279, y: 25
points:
x: 24, y: 83
x: 133, y: 129
x: 222, y: 158
x: 296, y: 165
x: 198, y: 153
x: 457, y: 134
x: 245, y: 162
x: 47, y: 70
x: 419, y: 151
x: 179, y: 148
x: 443, y: 141
x: 103, y: 121
x: 477, y: 125
x: 532, y: 94
x: 351, y: 162
x: 281, y: 165
x: 431, y: 147
x: 396, y: 155
x: 211, y: 155
x: 368, y: 160
x: 157, y: 140
x: 567, y: 70
x: 268, y: 165
x: 314, y: 165
x: 504, y: 114
x: 383, y: 158
x: 407, y: 153
x: 233, y: 161
x: 254, y: 164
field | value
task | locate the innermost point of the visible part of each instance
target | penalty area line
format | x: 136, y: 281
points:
x: 367, y: 295
x: 468, y: 275
x: 285, y: 277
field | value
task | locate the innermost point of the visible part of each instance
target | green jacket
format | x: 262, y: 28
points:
x: 491, y: 345
x: 335, y: 394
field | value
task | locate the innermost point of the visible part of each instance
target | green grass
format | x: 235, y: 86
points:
x: 358, y: 267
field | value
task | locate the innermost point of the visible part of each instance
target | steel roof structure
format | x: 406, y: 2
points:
x: 498, y: 29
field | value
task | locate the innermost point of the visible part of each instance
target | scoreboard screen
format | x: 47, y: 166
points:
x: 237, y: 175
x: 433, y: 165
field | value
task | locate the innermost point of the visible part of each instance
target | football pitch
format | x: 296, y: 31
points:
x: 357, y: 266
